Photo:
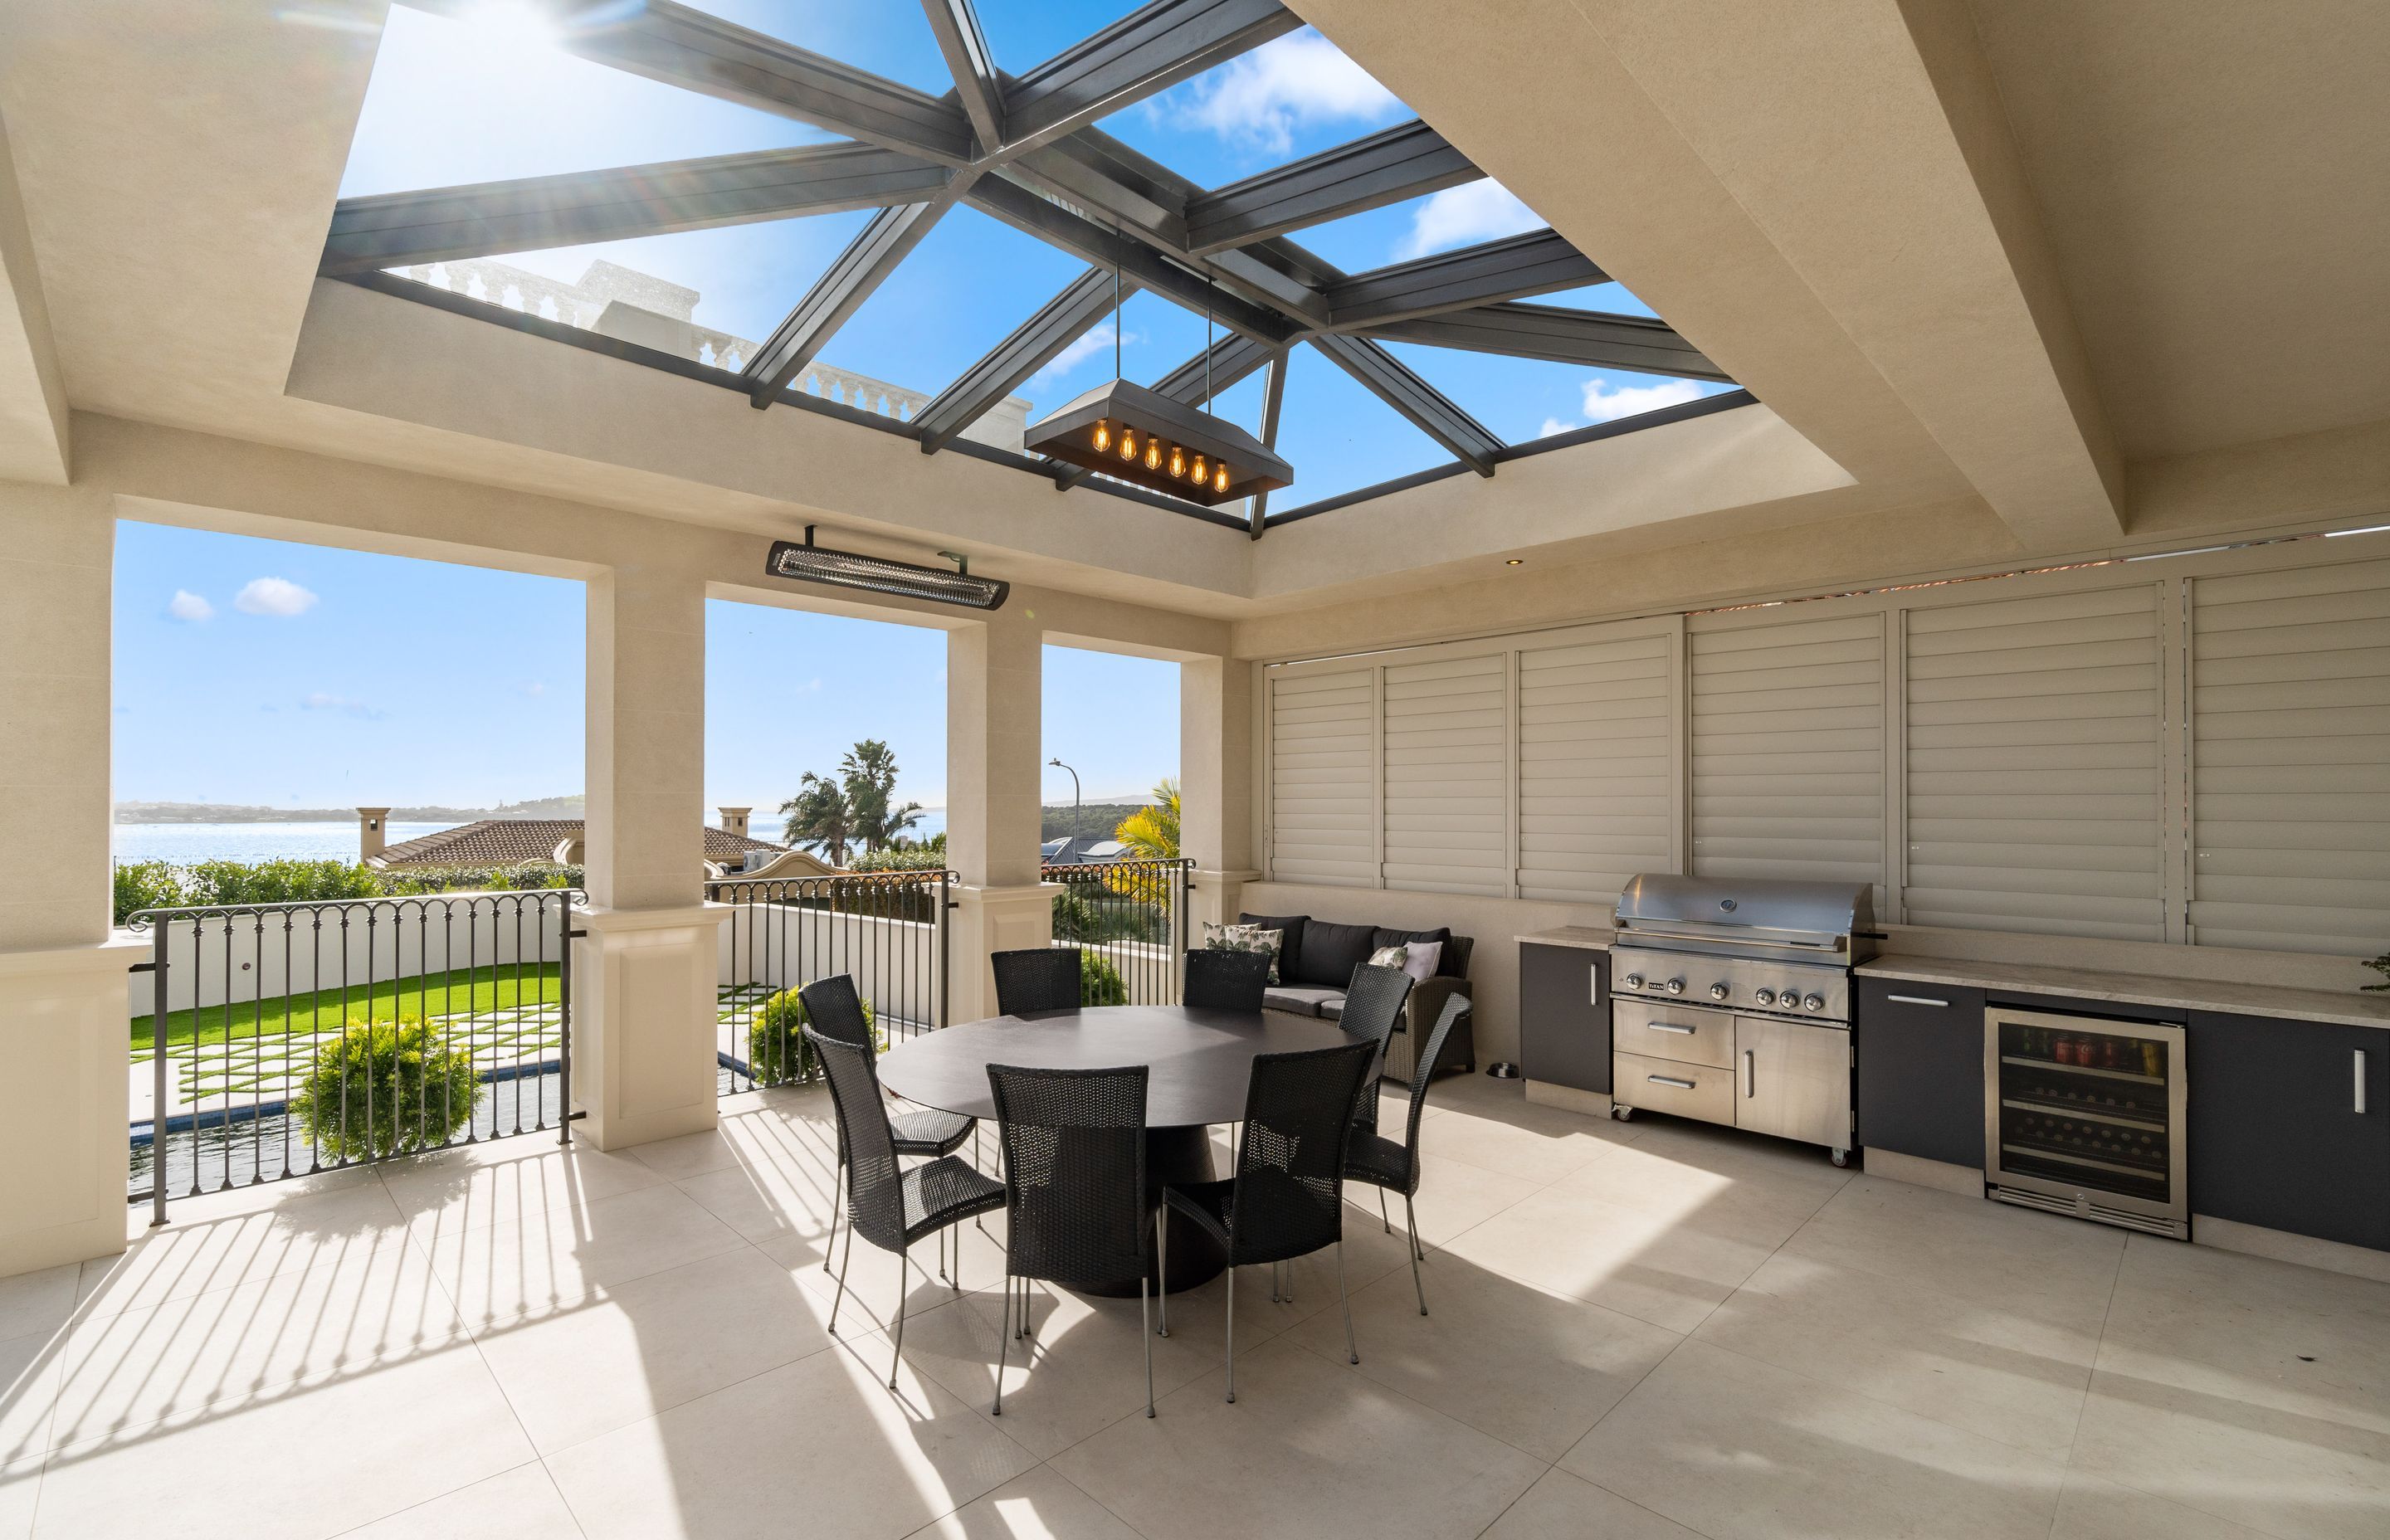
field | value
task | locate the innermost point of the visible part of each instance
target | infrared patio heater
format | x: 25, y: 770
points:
x: 806, y: 563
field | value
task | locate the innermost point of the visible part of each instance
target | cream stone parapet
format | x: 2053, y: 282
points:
x: 1215, y: 897
x: 987, y: 920
x: 643, y: 1022
x: 63, y: 1103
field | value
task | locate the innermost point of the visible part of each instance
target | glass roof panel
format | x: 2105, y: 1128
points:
x: 707, y: 295
x: 453, y: 102
x: 1025, y: 33
x: 1292, y: 96
x: 890, y: 40
x: 962, y: 291
x: 1469, y: 214
x: 1339, y: 437
x: 1523, y: 399
x: 1611, y: 298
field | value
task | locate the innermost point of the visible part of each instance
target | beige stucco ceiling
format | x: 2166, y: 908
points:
x: 1887, y: 226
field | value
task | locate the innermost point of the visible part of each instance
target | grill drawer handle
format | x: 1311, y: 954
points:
x: 1671, y: 1080
x: 1749, y: 1073
x: 1916, y: 1000
x: 1670, y: 1026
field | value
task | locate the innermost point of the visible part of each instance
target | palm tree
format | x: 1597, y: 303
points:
x: 1148, y: 834
x: 869, y: 771
x: 818, y: 817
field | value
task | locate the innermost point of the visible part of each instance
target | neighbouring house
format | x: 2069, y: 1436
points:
x: 730, y: 851
x: 1082, y: 850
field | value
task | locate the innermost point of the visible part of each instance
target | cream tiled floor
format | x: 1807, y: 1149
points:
x: 1639, y: 1330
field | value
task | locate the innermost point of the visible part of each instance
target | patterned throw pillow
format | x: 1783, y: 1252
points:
x: 1390, y: 956
x: 1417, y: 958
x: 1244, y: 938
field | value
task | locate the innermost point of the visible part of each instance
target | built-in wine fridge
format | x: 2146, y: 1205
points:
x: 2083, y: 1115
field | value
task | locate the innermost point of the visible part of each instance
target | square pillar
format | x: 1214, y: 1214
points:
x: 1216, y: 776
x: 643, y: 1012
x: 64, y: 1059
x: 995, y: 744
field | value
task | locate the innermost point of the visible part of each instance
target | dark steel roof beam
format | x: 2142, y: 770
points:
x: 1537, y: 263
x: 1403, y: 162
x: 1147, y: 51
x: 977, y: 81
x: 1063, y: 320
x: 839, y: 293
x: 1273, y: 397
x: 1428, y: 409
x: 1558, y: 335
x: 450, y: 224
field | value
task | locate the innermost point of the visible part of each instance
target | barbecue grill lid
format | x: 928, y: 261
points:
x: 1822, y: 909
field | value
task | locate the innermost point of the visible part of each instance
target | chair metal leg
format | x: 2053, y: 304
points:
x: 1145, y: 1315
x: 1384, y: 1221
x: 1232, y: 1331
x: 1350, y: 1351
x: 1162, y: 1264
x: 1003, y: 1336
x: 904, y: 1287
x: 837, y: 1208
x: 1410, y: 1221
x: 840, y: 1299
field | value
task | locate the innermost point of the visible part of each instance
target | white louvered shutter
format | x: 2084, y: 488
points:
x: 1593, y: 767
x: 1788, y: 749
x: 1323, y: 779
x: 1447, y: 802
x: 2033, y: 763
x: 2291, y: 759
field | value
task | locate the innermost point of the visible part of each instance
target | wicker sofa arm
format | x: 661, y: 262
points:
x: 1419, y: 1015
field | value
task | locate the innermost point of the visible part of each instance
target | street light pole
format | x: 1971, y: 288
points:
x: 1074, y: 795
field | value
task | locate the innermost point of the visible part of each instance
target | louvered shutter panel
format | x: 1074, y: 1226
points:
x: 2033, y: 754
x: 1593, y: 767
x: 2291, y: 759
x: 1448, y: 809
x: 1322, y: 780
x: 1788, y: 749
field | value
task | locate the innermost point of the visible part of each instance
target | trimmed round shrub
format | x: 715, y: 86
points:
x: 1099, y: 982
x: 385, y: 1088
x: 776, y: 1052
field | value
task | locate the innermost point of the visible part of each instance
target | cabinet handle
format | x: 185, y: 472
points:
x: 1749, y: 1073
x: 1593, y: 986
x: 1671, y: 1026
x: 1916, y: 1000
x: 1670, y: 1080
x: 2359, y: 1055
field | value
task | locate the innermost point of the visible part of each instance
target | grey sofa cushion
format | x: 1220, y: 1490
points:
x: 1331, y: 952
x: 1289, y: 945
x: 1301, y: 999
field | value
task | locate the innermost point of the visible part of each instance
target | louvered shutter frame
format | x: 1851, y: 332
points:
x: 1322, y: 779
x: 1446, y: 749
x: 1594, y: 804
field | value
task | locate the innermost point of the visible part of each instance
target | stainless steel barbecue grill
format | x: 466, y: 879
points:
x: 1730, y: 1002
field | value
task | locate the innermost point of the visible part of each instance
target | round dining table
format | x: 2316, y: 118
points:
x: 1201, y: 1060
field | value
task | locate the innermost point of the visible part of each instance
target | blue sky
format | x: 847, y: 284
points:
x: 453, y: 103
x: 264, y: 671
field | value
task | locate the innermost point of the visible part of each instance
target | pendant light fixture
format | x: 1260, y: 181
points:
x: 1149, y: 440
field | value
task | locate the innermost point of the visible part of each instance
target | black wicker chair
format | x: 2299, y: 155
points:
x: 835, y: 1011
x: 1222, y: 980
x: 1287, y: 1198
x: 1373, y: 1008
x: 894, y: 1208
x: 1073, y: 1143
x: 1038, y: 977
x: 1385, y: 1164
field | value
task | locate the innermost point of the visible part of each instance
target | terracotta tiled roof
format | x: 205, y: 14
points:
x: 506, y: 841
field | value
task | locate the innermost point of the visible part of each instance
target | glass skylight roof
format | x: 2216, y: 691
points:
x: 712, y: 262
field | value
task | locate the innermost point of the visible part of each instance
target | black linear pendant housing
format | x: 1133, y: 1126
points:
x: 807, y: 562
x: 1147, y: 438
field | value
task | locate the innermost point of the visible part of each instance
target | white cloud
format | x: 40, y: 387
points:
x: 1554, y: 425
x: 187, y: 606
x: 1085, y: 346
x: 1607, y: 403
x: 325, y: 700
x: 535, y: 688
x: 1261, y: 98
x: 274, y: 595
x: 1473, y: 211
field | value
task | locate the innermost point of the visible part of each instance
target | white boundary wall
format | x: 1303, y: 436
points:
x: 895, y: 962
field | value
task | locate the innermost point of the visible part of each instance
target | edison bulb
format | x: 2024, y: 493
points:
x: 1177, y: 461
x: 1128, y: 445
x: 1103, y: 435
x: 1200, y: 475
x: 1152, y: 454
x: 1220, y: 479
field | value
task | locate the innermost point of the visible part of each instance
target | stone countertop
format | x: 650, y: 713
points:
x: 1593, y: 937
x: 2140, y: 989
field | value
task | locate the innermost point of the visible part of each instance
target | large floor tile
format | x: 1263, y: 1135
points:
x: 792, y: 1194
x: 818, y: 1444
x: 2093, y: 1509
x: 522, y: 1504
x: 549, y: 1261
x: 230, y: 1346
x: 1734, y: 1448
x: 1521, y: 1139
x: 1039, y: 1506
x: 2040, y: 1266
x: 2006, y: 1374
x: 30, y: 1369
x: 342, y: 1219
x: 1560, y: 1507
x: 301, y: 1464
x: 478, y: 1186
x: 1677, y: 1169
x: 634, y: 1349
x: 1534, y: 1369
x: 1453, y: 1197
x: 974, y: 1257
x: 1309, y: 1447
x: 21, y: 1493
x: 38, y: 1302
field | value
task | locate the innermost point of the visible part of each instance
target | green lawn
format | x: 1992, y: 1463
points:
x: 476, y: 991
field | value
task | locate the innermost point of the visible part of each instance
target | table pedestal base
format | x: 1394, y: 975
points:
x: 1175, y: 1157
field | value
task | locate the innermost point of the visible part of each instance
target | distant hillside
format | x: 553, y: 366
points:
x: 1097, y: 820
x: 231, y: 813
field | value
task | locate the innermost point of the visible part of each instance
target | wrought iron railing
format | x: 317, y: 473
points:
x: 285, y: 1039
x: 887, y: 930
x: 1128, y: 920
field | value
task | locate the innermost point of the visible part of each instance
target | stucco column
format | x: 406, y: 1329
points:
x: 994, y: 742
x: 643, y: 1016
x: 1215, y: 774
x: 63, y: 1055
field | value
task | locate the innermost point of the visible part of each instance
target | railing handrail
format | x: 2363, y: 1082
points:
x: 142, y: 920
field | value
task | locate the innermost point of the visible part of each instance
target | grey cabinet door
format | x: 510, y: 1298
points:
x: 1792, y: 1080
x: 1921, y: 1063
x: 2280, y: 1133
x: 1564, y: 1016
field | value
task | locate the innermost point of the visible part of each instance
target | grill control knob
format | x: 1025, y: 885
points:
x: 1676, y: 986
x: 1815, y: 1002
x: 1766, y: 996
x: 1718, y: 992
x: 1635, y: 981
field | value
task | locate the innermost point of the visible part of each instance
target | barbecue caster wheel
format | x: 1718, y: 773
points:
x: 1623, y: 1112
x: 1841, y: 1157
